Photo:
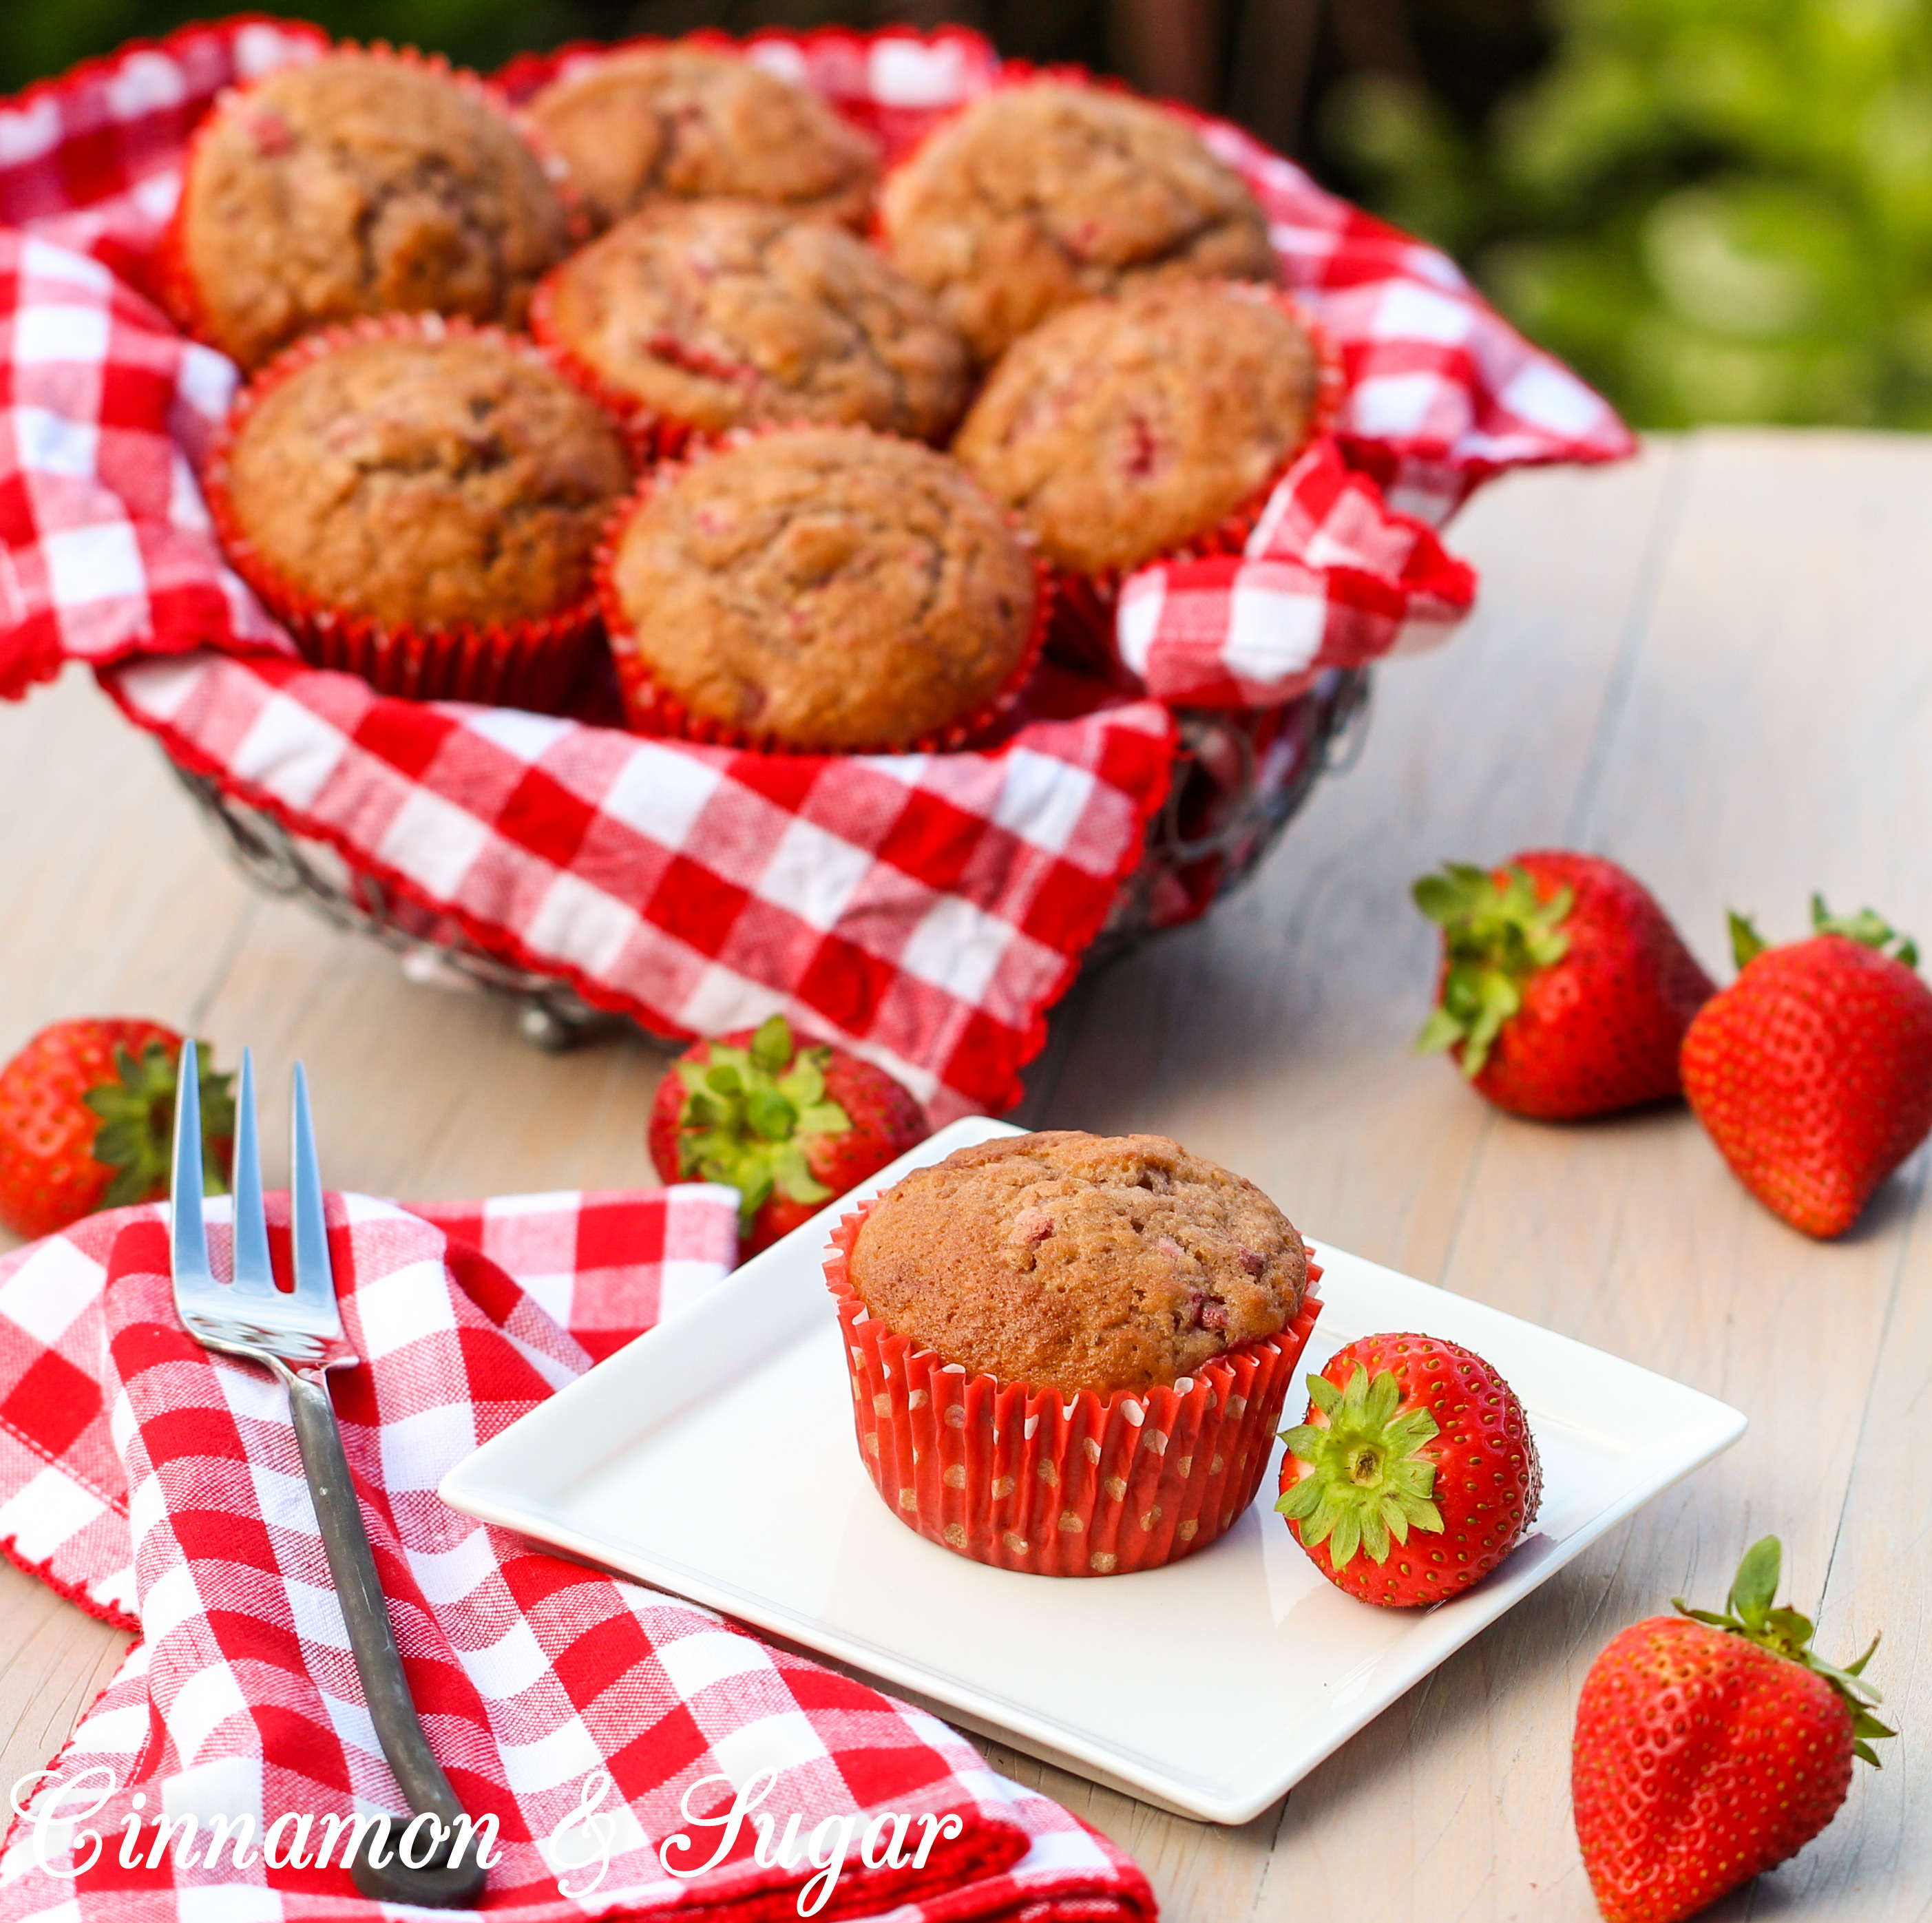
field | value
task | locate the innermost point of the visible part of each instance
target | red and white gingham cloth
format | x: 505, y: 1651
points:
x: 159, y: 1486
x: 924, y: 910
x: 1330, y: 578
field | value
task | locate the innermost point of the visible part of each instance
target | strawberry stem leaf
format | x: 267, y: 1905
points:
x: 1867, y: 927
x: 1746, y: 944
x: 1785, y: 1633
x: 750, y: 1115
x: 1368, y: 1482
x: 136, y: 1136
x: 1496, y: 933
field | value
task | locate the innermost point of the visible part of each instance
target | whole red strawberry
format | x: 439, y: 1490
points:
x: 1564, y: 991
x: 787, y: 1127
x: 1813, y: 1071
x: 1709, y: 1748
x: 1415, y: 1470
x: 87, y: 1112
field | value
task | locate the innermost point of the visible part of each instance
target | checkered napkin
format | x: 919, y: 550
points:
x: 160, y: 1487
x: 923, y: 910
x: 1330, y: 577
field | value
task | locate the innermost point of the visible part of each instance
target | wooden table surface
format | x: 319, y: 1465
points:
x: 1714, y: 665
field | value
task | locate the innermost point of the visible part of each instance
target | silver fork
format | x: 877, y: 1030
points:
x: 299, y: 1337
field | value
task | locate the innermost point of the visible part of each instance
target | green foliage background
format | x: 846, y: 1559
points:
x: 1716, y: 210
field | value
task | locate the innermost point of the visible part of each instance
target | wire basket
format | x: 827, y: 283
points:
x: 1239, y: 775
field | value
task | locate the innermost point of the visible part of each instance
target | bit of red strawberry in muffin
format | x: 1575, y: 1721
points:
x: 788, y: 1127
x: 1709, y: 1748
x: 87, y: 1112
x: 1564, y: 991
x: 1414, y: 1473
x: 1813, y: 1071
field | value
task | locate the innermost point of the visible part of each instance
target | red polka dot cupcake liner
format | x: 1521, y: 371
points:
x: 534, y: 664
x: 1027, y: 1478
x: 654, y: 709
x: 179, y: 293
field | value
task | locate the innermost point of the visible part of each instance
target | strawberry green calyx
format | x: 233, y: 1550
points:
x: 1368, y: 1481
x: 1496, y: 933
x: 136, y: 1137
x: 748, y: 1113
x: 1786, y: 1633
x: 1746, y: 944
x: 1867, y: 928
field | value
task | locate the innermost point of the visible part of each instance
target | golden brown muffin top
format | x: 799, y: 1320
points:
x: 1078, y: 1262
x: 825, y: 587
x: 360, y: 184
x: 690, y: 123
x: 1039, y: 196
x: 726, y: 313
x: 428, y: 482
x: 1124, y: 428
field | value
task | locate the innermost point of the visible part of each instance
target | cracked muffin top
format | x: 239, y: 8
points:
x: 1039, y: 196
x: 1124, y: 428
x: 724, y: 313
x: 1079, y: 1261
x: 688, y: 123
x: 426, y: 481
x: 361, y: 183
x: 821, y: 588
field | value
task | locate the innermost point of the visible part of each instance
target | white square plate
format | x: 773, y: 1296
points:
x: 714, y: 1457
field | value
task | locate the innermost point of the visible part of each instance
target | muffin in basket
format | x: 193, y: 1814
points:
x: 368, y: 182
x: 724, y: 313
x: 1130, y: 426
x: 1070, y: 1352
x: 820, y: 589
x: 686, y: 122
x: 419, y: 502
x: 1040, y: 195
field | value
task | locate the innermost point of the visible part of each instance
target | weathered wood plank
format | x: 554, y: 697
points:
x: 1712, y: 664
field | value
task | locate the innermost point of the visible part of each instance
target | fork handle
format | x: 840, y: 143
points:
x: 372, y: 1642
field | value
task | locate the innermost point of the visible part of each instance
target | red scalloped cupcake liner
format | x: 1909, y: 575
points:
x: 656, y: 709
x: 180, y: 295
x: 534, y: 664
x: 1025, y: 1479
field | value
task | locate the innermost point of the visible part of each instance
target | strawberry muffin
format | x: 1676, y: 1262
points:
x: 819, y: 589
x: 686, y: 122
x: 366, y: 182
x: 1039, y: 196
x: 724, y: 313
x: 1126, y: 428
x: 422, y: 504
x: 1070, y: 1352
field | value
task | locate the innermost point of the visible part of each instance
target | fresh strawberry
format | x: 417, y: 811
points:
x: 1813, y: 1071
x: 87, y: 1112
x: 1414, y: 1465
x: 1709, y: 1748
x: 787, y: 1127
x: 1564, y: 990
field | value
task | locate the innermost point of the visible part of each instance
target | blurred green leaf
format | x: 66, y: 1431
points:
x: 1717, y: 210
